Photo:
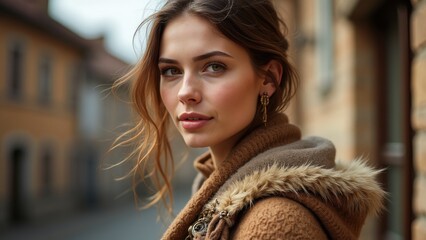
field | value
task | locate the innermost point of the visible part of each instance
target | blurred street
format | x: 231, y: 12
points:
x: 121, y: 222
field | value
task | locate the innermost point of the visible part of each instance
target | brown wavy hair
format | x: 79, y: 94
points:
x: 252, y: 24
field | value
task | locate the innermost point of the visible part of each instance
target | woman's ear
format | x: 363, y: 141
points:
x: 274, y: 72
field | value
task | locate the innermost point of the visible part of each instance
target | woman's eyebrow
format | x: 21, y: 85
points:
x: 197, y: 58
x: 210, y: 54
x: 167, y: 60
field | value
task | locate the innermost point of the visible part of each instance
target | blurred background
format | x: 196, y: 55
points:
x: 362, y: 65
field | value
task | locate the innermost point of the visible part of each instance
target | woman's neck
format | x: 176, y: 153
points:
x: 221, y: 151
x: 219, y: 154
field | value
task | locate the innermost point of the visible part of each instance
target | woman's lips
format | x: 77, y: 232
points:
x: 193, y: 121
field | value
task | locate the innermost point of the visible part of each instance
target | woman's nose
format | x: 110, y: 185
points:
x: 189, y: 92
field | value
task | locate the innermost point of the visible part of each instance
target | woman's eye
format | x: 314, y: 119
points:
x: 170, y: 71
x: 215, y: 67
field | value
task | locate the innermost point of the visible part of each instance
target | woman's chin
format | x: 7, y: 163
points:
x: 195, y: 144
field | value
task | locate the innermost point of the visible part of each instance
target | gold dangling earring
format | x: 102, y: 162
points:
x: 264, y: 100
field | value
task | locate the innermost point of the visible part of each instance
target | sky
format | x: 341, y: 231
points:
x: 117, y: 20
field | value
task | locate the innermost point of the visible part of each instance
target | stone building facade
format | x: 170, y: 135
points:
x: 418, y: 81
x: 361, y: 65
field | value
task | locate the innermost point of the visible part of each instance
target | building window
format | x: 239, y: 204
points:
x: 45, y: 79
x: 74, y: 78
x: 15, y: 76
x: 324, y: 48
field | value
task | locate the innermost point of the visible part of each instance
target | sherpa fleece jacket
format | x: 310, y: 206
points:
x: 275, y: 185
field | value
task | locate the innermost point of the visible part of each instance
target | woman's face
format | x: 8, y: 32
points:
x: 208, y: 84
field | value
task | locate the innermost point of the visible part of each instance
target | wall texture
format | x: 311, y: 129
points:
x: 418, y: 45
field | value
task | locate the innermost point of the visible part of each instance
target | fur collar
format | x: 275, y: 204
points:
x: 354, y: 181
x: 305, y: 166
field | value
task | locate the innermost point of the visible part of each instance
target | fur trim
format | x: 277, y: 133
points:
x: 354, y: 181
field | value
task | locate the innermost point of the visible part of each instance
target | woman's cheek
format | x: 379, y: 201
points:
x: 166, y: 97
x: 233, y: 95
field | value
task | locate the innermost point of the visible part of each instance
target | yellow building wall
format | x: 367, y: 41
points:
x: 27, y: 118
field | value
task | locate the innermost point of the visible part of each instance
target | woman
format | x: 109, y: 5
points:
x: 219, y: 71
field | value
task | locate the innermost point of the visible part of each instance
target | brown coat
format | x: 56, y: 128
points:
x: 276, y: 186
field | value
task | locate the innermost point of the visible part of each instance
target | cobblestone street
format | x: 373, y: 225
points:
x: 122, y: 222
